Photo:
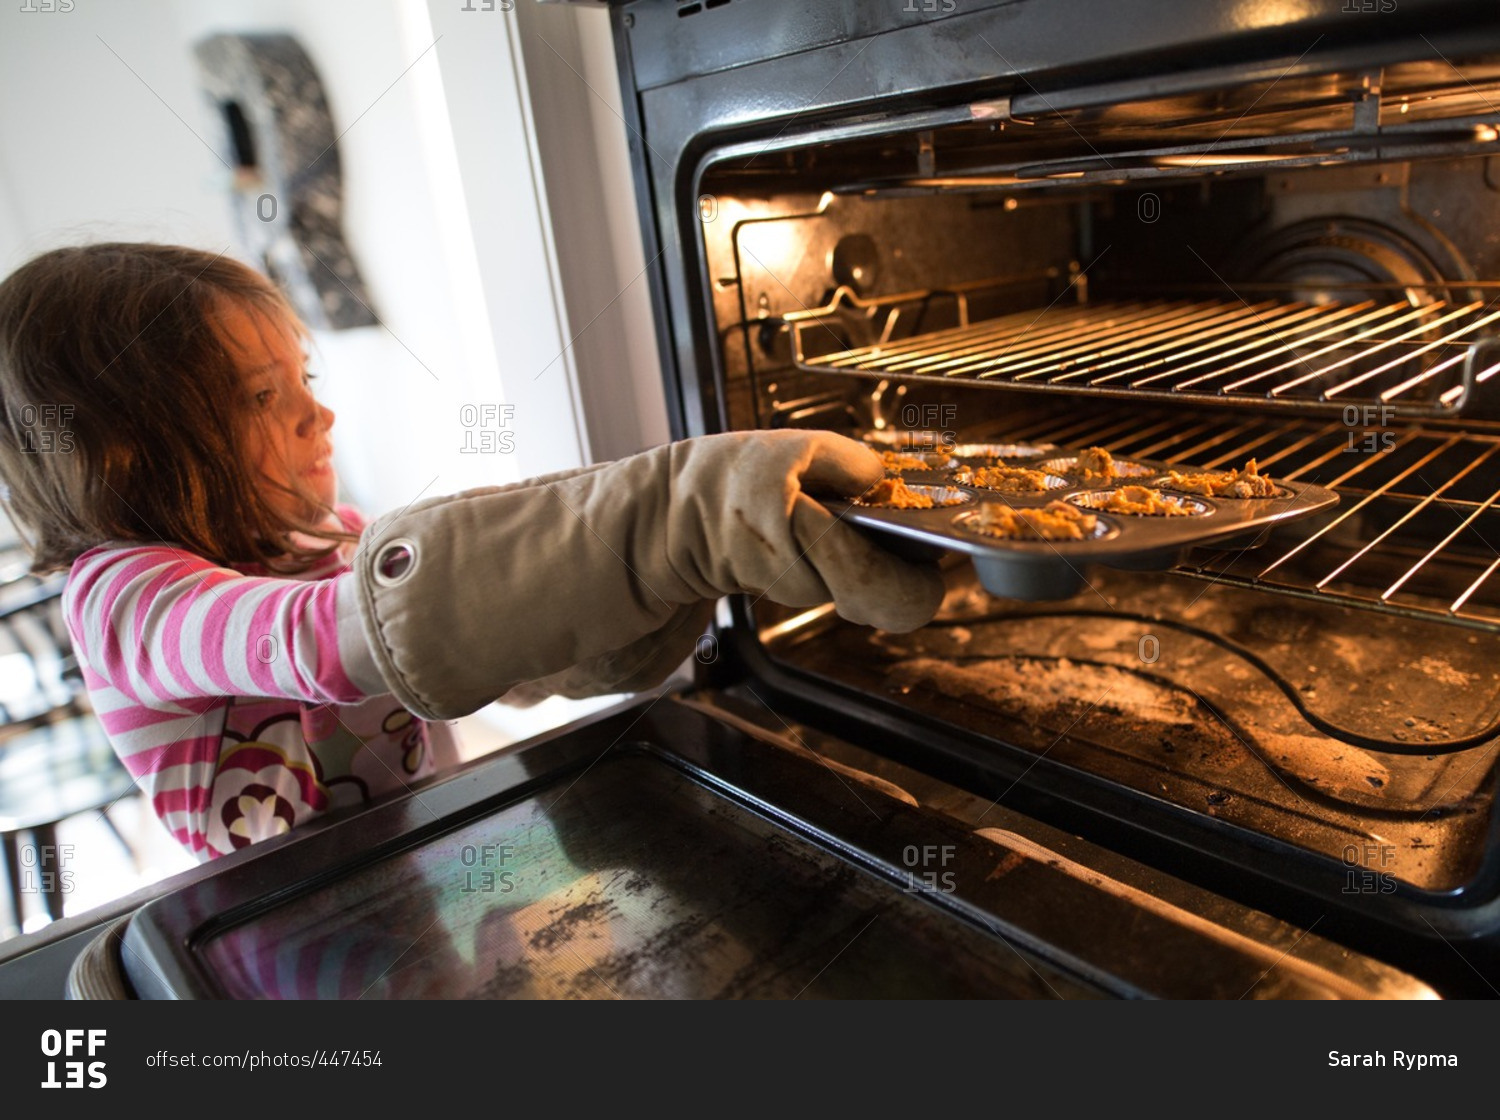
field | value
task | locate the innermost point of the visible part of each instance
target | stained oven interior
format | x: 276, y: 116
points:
x: 1301, y: 271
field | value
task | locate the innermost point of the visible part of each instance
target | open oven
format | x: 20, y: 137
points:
x: 1199, y: 235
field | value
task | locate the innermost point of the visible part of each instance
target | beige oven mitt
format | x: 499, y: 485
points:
x: 602, y: 580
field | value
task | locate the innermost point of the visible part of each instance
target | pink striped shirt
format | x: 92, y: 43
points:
x: 224, y: 691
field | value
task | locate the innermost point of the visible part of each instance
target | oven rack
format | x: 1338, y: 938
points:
x: 1401, y: 356
x: 1417, y: 530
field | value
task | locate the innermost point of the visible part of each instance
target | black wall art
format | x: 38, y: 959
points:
x: 276, y: 133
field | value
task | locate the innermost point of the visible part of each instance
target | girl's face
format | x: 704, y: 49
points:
x: 287, y: 438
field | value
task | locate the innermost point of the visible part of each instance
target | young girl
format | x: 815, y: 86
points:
x: 256, y: 651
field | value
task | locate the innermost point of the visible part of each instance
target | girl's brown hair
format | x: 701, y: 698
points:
x: 123, y: 411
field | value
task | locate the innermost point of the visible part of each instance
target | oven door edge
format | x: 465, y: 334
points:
x: 1068, y: 910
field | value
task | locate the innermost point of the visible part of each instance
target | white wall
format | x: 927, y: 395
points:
x: 104, y: 133
x: 87, y: 150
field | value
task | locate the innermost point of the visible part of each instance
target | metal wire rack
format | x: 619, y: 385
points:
x: 1416, y: 358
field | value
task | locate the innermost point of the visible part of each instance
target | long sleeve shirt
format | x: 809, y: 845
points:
x: 235, y: 698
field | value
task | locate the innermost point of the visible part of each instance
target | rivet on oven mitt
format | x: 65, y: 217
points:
x: 607, y: 576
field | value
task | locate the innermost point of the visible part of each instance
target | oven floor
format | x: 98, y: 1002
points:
x: 1287, y: 718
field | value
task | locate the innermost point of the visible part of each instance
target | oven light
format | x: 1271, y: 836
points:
x: 825, y: 201
x: 1271, y: 13
x: 1485, y: 134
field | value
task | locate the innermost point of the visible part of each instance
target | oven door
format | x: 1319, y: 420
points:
x: 698, y: 846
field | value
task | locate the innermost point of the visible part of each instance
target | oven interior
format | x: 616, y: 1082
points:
x: 1299, y: 271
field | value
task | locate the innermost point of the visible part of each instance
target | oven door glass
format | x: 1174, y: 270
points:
x: 631, y: 880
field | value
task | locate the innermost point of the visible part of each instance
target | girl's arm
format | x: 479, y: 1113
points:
x: 167, y: 639
x: 162, y: 625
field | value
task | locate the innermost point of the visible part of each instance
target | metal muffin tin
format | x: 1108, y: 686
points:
x: 1038, y: 570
